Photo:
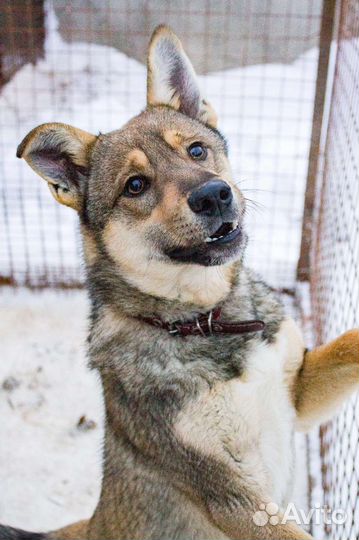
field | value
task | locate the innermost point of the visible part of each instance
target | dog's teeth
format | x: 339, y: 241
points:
x: 209, y: 239
x: 234, y: 226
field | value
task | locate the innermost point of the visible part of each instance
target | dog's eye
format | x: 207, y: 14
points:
x: 197, y: 151
x: 135, y: 186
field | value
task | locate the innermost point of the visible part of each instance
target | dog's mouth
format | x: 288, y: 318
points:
x: 222, y: 245
x: 226, y: 232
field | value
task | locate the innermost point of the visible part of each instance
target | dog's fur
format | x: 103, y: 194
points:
x: 199, y: 430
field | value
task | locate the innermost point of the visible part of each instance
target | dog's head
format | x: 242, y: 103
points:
x: 157, y: 193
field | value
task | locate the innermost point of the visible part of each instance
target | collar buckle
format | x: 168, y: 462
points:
x: 173, y: 329
x: 209, y: 322
x: 203, y: 330
x: 199, y: 327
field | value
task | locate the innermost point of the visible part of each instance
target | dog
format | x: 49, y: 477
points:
x: 205, y: 378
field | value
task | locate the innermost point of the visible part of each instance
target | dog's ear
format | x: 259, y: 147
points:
x: 60, y: 154
x: 171, y: 79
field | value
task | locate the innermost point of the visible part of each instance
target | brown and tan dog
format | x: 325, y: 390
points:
x: 205, y: 378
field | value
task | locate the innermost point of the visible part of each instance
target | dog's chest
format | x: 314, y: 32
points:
x: 247, y: 422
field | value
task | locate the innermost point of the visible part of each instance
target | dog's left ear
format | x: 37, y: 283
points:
x: 171, y: 79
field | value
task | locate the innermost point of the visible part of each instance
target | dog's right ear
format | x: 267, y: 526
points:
x: 61, y: 155
x: 171, y: 79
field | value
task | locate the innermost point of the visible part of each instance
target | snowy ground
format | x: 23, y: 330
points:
x: 265, y: 111
x: 49, y: 468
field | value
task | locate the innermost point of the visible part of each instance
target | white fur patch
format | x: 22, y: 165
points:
x: 248, y: 422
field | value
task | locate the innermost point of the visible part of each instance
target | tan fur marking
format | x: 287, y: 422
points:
x: 208, y: 115
x: 137, y: 158
x: 173, y: 138
x: 225, y: 172
x: 329, y: 374
x: 89, y: 246
x: 75, y: 531
x: 67, y: 198
x: 170, y: 201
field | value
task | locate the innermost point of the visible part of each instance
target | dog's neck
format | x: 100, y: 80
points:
x: 203, y: 287
x: 176, y: 295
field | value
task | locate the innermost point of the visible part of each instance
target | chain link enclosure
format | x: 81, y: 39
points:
x: 334, y: 261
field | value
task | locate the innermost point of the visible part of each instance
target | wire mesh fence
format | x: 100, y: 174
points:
x: 82, y: 63
x: 258, y: 65
x: 335, y: 264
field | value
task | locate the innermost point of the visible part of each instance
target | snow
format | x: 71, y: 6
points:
x: 265, y: 111
x: 49, y: 469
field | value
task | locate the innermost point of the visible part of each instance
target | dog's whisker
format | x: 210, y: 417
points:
x: 257, y: 208
x: 257, y: 190
x: 255, y: 203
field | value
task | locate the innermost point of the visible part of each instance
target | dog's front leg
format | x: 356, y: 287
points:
x: 328, y: 375
x: 217, y: 496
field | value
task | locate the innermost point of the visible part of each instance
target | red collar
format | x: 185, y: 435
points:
x: 205, y: 325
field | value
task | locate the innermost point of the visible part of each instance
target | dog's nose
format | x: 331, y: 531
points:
x: 211, y: 199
